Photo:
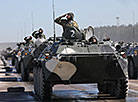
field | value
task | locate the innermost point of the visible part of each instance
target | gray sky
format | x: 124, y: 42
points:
x: 16, y: 15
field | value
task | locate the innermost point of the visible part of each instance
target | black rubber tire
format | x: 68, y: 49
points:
x: 44, y: 88
x: 117, y: 88
x: 35, y: 79
x: 17, y: 66
x: 13, y: 61
x: 103, y: 87
x: 132, y: 70
x: 25, y: 75
x: 121, y: 89
x: 100, y: 87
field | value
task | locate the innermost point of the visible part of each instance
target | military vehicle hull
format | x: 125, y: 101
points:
x: 26, y: 67
x: 27, y: 61
x: 106, y: 69
x: 86, y: 68
x: 77, y: 60
x: 132, y: 62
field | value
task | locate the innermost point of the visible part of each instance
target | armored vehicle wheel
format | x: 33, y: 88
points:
x: 121, y: 89
x: 103, y: 87
x: 132, y: 70
x: 114, y: 88
x: 17, y: 66
x: 100, y: 87
x: 13, y: 61
x: 24, y: 72
x: 43, y: 88
x: 35, y: 79
x: 118, y: 88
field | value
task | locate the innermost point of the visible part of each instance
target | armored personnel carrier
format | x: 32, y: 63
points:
x: 29, y: 54
x: 132, y: 55
x: 80, y: 59
x: 130, y: 52
x: 17, y: 56
x: 7, y: 53
x: 26, y: 63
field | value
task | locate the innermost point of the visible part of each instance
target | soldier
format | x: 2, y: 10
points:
x: 28, y: 40
x: 69, y: 22
x: 39, y: 36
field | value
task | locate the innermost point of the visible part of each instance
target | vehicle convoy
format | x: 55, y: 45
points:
x: 29, y: 54
x: 132, y: 56
x: 130, y: 52
x: 17, y: 56
x: 80, y: 59
x: 26, y: 63
x: 7, y: 53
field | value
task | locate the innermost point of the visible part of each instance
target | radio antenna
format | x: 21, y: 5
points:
x: 133, y: 27
x: 32, y: 21
x: 54, y: 31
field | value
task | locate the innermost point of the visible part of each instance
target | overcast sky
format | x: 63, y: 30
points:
x: 16, y: 15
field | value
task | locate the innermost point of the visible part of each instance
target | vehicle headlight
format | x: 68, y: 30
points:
x: 47, y: 55
x: 25, y: 53
x: 135, y: 53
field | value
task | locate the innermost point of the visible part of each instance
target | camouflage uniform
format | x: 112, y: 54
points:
x: 65, y: 23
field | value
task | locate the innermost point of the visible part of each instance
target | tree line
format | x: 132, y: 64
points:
x: 125, y: 33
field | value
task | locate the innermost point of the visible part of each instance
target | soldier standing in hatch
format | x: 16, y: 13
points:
x: 28, y: 40
x: 69, y: 22
x: 39, y: 36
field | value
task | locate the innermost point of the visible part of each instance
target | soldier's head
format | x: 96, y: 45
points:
x: 70, y: 16
x: 40, y: 30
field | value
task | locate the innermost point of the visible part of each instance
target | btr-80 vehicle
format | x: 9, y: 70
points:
x: 80, y: 59
x: 132, y: 55
x: 26, y: 63
x: 29, y: 54
x: 17, y: 56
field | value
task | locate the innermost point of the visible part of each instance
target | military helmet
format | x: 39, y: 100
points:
x: 40, y: 30
x: 71, y: 14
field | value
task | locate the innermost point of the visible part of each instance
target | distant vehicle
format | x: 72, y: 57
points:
x: 29, y: 54
x: 74, y: 60
x: 17, y: 56
x: 26, y: 62
x: 7, y: 53
x: 132, y: 55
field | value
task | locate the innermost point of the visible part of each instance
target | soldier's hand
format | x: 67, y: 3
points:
x: 34, y: 31
x: 64, y: 15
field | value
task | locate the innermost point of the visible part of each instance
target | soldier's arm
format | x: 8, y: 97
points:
x: 44, y: 36
x: 59, y: 20
x: 75, y: 24
x: 34, y: 34
x: 25, y: 38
